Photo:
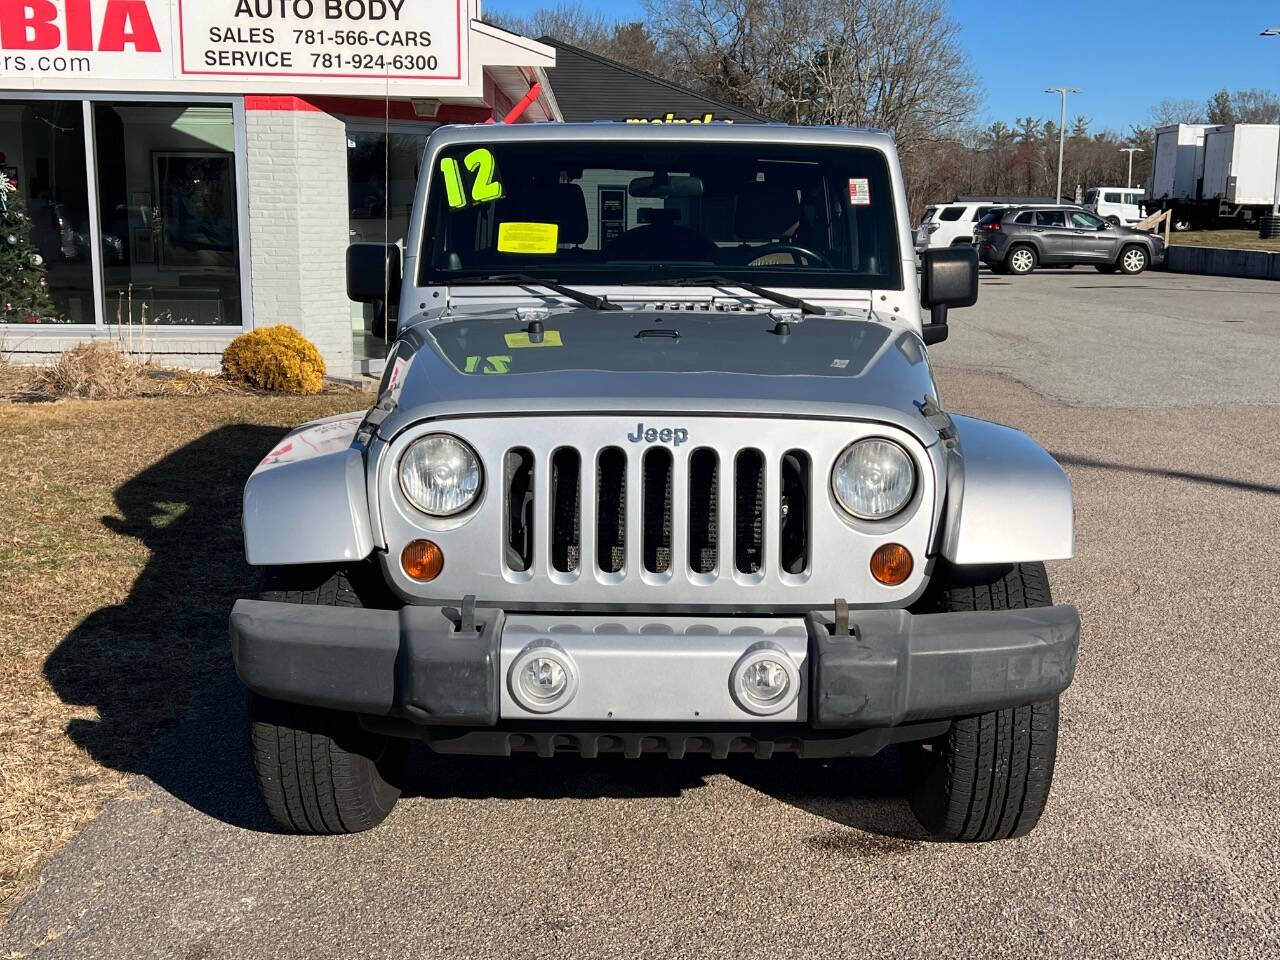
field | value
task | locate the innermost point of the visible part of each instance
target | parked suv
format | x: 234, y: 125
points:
x: 1018, y: 240
x: 678, y: 481
x: 951, y: 224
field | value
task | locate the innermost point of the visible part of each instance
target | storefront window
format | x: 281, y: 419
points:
x: 167, y: 195
x: 380, y: 191
x: 46, y: 273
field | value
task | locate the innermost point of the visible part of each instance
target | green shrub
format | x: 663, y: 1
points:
x: 275, y: 358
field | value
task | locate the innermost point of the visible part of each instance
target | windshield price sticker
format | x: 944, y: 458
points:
x: 535, y: 238
x: 321, y: 38
x: 485, y: 187
x: 859, y: 192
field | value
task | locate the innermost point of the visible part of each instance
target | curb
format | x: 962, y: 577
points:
x: 1223, y: 262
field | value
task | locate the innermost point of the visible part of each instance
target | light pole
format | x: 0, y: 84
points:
x: 1062, y: 131
x: 1130, y: 151
x: 1275, y: 200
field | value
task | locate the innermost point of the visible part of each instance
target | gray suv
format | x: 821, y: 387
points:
x: 1019, y: 239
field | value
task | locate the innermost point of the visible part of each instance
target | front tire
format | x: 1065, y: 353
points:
x: 318, y: 770
x: 1133, y: 260
x: 988, y: 777
x: 1021, y: 260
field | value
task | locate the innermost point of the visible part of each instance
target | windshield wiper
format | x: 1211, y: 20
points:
x: 524, y: 279
x: 782, y: 299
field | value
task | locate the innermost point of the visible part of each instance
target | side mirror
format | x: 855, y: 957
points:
x: 374, y: 273
x: 948, y: 278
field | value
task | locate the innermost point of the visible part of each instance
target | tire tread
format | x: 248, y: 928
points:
x: 989, y: 777
x: 318, y: 770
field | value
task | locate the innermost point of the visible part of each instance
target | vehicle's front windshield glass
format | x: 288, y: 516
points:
x: 608, y: 212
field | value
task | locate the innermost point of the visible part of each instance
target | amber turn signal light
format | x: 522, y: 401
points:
x: 422, y: 560
x: 891, y: 564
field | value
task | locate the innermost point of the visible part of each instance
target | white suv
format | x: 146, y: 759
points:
x: 1119, y: 205
x: 951, y: 224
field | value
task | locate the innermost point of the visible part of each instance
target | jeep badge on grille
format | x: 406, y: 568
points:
x: 672, y: 435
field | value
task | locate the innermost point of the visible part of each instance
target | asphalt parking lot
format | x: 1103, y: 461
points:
x: 1161, y: 396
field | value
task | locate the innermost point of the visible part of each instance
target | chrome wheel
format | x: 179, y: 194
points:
x: 1022, y: 260
x: 1133, y: 260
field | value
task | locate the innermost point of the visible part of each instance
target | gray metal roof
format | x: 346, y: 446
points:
x: 588, y: 86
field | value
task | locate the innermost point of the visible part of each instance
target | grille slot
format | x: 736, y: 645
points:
x: 518, y: 508
x: 611, y: 510
x: 748, y: 511
x: 704, y: 511
x: 566, y: 506
x: 659, y: 511
x: 655, y: 534
x: 795, y: 511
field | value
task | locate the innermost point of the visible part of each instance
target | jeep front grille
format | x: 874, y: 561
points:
x: 670, y: 486
x: 685, y: 512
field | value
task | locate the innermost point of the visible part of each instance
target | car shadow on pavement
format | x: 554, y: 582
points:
x: 867, y: 794
x: 1208, y: 479
x: 146, y: 664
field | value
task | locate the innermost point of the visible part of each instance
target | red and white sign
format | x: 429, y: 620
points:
x: 859, y: 192
x: 339, y: 47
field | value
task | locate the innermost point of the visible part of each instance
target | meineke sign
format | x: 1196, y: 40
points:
x: 234, y: 46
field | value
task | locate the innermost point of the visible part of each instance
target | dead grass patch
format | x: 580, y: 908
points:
x: 120, y: 555
x: 92, y: 370
x: 108, y: 370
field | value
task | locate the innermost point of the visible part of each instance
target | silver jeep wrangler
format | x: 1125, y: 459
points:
x: 658, y: 464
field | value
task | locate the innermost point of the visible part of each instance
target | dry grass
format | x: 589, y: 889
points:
x: 93, y: 370
x: 109, y: 370
x: 120, y: 556
x: 1231, y: 239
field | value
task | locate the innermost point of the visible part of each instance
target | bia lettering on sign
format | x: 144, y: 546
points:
x: 47, y: 25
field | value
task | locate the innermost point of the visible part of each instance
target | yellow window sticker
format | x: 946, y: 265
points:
x: 518, y: 341
x: 528, y: 237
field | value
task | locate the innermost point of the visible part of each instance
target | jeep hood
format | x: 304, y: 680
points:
x: 699, y: 361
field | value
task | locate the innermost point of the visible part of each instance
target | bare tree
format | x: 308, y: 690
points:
x: 1170, y: 111
x: 627, y: 42
x: 1256, y: 106
x: 894, y: 64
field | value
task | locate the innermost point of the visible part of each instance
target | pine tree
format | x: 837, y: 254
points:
x: 24, y: 281
x: 1221, y: 109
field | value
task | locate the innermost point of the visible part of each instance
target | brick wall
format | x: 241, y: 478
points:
x: 298, y: 222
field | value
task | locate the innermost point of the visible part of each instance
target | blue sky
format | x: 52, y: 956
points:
x: 1125, y: 57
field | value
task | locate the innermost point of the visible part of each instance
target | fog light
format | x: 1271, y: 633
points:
x: 765, y: 680
x: 891, y: 564
x: 543, y: 678
x: 422, y: 560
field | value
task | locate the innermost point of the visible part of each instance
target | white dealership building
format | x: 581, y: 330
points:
x: 200, y: 166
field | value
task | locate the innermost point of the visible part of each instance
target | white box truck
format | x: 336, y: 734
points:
x: 1215, y: 175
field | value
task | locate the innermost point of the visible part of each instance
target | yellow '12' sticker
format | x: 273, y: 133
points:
x: 528, y: 237
x: 485, y: 187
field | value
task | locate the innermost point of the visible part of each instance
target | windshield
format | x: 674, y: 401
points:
x: 610, y: 212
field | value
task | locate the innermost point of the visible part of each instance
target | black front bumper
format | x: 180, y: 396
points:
x: 414, y: 671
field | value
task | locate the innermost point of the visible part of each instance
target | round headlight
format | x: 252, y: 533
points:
x: 873, y: 479
x: 440, y: 475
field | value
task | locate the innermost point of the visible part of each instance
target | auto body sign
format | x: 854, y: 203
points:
x: 234, y: 46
